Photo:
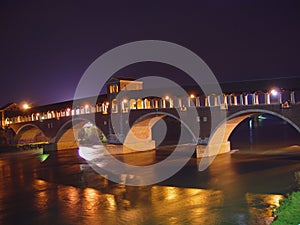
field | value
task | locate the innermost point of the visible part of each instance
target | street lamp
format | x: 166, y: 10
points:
x: 274, y: 92
x: 277, y: 94
x: 25, y: 106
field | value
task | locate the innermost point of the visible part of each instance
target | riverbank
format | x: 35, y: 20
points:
x: 19, y: 152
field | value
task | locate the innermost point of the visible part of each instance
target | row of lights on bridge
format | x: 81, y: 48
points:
x: 26, y: 106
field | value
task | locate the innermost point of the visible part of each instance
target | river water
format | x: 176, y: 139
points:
x: 238, y: 188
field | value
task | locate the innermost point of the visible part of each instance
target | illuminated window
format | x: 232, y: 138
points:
x: 140, y: 104
x: 132, y: 104
x: 114, y: 106
x: 113, y: 88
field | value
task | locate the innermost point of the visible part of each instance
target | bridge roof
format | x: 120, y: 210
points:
x: 54, y: 106
x: 250, y: 86
x: 9, y: 106
x: 292, y: 83
x: 120, y: 78
x: 228, y: 87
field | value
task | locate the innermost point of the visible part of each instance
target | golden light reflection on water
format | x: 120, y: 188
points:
x: 186, y: 205
x: 41, y: 201
x: 276, y: 200
x: 261, y: 206
x: 147, y: 205
x: 111, y: 202
x: 70, y: 200
x: 73, y: 195
x: 45, y: 195
x: 90, y: 200
x: 171, y: 193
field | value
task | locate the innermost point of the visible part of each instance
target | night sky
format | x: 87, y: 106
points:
x: 47, y: 45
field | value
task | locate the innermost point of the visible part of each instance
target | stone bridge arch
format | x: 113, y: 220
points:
x: 67, y: 135
x: 219, y: 138
x: 140, y: 138
x: 30, y: 133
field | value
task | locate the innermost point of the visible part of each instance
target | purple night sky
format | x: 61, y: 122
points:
x: 47, y: 45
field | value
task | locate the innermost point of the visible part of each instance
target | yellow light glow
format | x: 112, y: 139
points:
x: 25, y: 106
x: 192, y: 96
x: 111, y: 201
x: 274, y: 92
x: 125, y: 100
x: 167, y: 97
x: 171, y: 193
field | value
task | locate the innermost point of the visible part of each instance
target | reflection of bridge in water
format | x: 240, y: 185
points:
x: 131, y: 120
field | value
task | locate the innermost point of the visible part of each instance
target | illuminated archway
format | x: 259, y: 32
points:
x: 139, y: 137
x: 30, y: 133
x: 223, y: 131
x: 78, y: 131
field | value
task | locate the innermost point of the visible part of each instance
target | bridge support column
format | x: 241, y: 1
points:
x: 160, y: 103
x: 152, y: 104
x: 198, y: 102
x: 225, y: 99
x: 156, y: 103
x: 280, y: 98
x: 215, y: 100
x: 164, y: 104
x: 255, y: 99
x: 246, y: 99
x: 209, y: 101
x: 234, y: 100
x: 179, y: 102
x: 189, y: 101
x: 267, y: 98
x: 219, y: 99
x: 206, y: 103
x: 212, y: 149
x: 171, y: 101
x: 229, y: 100
x: 293, y: 100
x: 241, y: 99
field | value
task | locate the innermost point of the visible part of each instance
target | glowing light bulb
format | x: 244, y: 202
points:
x: 25, y: 106
x: 274, y: 92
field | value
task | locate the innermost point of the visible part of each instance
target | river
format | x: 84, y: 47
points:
x: 238, y: 188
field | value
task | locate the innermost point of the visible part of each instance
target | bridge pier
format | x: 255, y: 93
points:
x: 203, y: 150
x: 293, y: 100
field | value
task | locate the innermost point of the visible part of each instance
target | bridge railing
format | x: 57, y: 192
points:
x: 124, y: 106
x: 213, y: 100
x: 57, y: 114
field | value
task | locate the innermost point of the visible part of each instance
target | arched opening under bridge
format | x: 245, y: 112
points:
x: 255, y: 129
x: 76, y: 132
x: 158, y: 129
x: 29, y: 134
